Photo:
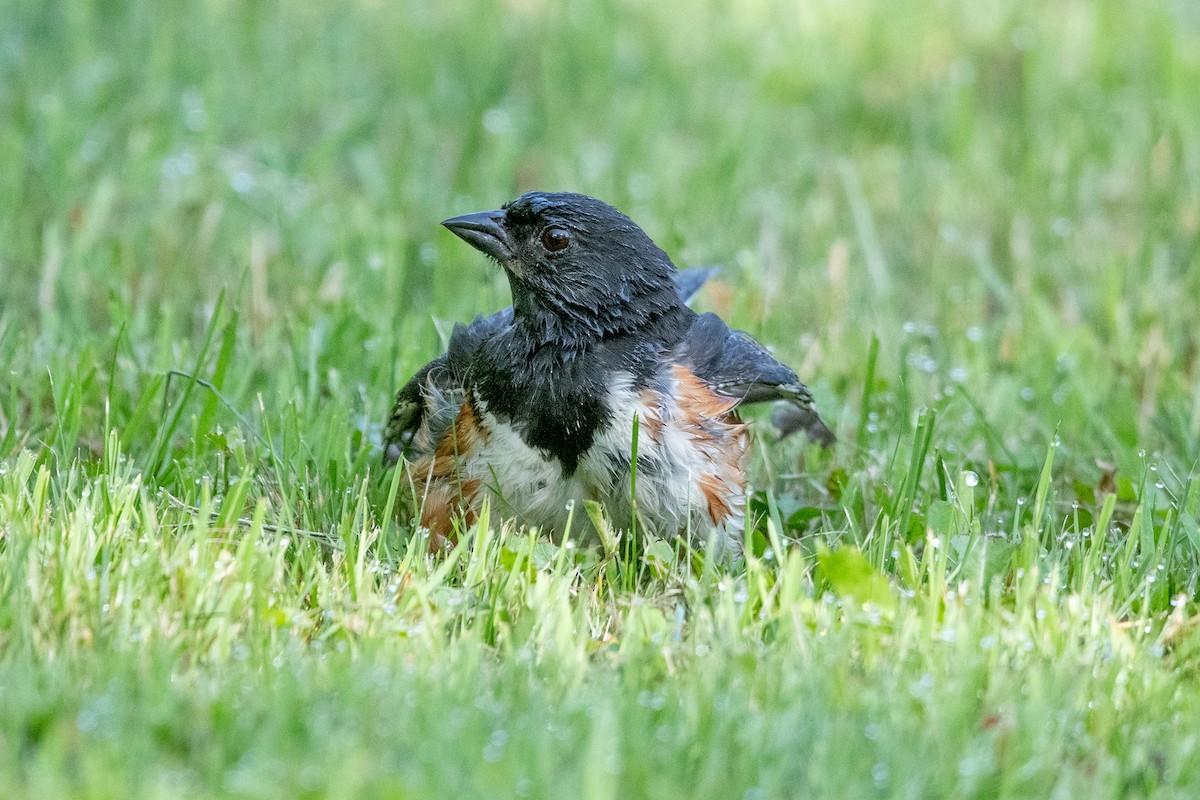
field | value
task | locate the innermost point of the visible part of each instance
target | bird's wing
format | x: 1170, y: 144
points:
x: 735, y: 365
x: 425, y: 407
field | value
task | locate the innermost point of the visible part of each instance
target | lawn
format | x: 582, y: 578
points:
x: 972, y: 227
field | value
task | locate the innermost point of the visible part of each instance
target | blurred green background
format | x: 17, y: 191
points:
x: 1005, y: 193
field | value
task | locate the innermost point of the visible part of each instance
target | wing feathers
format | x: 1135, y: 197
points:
x: 732, y: 362
x: 736, y: 365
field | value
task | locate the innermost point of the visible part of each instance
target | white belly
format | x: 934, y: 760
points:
x: 674, y: 467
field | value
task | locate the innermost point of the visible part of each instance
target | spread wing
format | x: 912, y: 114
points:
x: 425, y: 407
x: 736, y: 365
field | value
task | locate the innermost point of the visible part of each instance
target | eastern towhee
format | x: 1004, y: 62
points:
x: 536, y: 405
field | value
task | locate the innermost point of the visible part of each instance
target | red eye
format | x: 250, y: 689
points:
x: 555, y: 239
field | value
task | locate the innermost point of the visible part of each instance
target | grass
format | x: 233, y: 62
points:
x: 974, y: 228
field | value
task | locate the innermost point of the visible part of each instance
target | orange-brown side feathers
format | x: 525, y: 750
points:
x: 694, y: 397
x: 652, y: 422
x: 715, y: 429
x: 717, y: 497
x: 446, y: 497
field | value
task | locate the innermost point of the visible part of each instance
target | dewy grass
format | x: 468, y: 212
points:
x: 972, y: 229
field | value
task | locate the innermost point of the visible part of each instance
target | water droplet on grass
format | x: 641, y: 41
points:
x: 496, y: 121
x: 241, y: 182
x: 651, y: 700
x: 86, y: 721
x: 494, y: 749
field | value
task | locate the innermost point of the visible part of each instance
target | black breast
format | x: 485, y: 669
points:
x: 558, y: 398
x: 558, y: 405
x: 551, y: 380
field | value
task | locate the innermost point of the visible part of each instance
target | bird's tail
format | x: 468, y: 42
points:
x: 791, y: 417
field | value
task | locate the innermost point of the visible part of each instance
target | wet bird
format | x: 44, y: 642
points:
x: 599, y: 372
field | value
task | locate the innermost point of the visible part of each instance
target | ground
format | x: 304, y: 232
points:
x: 973, y: 227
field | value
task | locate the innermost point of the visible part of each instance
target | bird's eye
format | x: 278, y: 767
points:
x: 555, y: 239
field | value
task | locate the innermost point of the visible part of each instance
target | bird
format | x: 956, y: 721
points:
x: 599, y: 384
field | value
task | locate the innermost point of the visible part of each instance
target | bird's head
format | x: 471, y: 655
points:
x: 577, y: 267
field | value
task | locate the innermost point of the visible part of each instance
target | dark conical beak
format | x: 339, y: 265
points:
x: 485, y: 232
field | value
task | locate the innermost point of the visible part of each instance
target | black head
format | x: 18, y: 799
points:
x: 578, y: 268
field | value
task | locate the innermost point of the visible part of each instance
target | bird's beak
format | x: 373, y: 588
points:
x: 485, y: 232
